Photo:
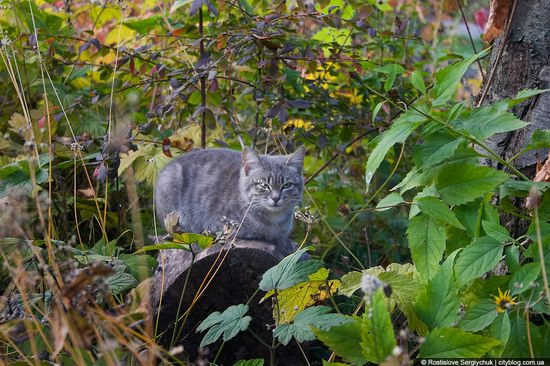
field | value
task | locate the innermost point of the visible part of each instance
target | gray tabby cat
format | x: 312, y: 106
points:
x: 203, y: 186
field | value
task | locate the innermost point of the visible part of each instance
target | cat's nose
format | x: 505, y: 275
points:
x: 275, y: 196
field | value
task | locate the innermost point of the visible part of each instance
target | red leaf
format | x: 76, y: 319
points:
x: 213, y: 85
x: 133, y: 66
x: 41, y: 122
x: 178, y: 32
x: 166, y: 147
x: 481, y: 17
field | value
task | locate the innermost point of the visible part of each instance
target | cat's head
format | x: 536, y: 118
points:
x: 272, y: 183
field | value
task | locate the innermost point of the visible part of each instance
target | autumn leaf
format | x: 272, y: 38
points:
x: 497, y: 19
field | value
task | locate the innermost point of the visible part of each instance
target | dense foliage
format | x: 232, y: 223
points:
x: 97, y: 97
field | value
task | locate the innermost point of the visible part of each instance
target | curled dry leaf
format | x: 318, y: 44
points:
x: 86, y: 192
x: 171, y: 222
x: 543, y: 175
x: 166, y: 147
x: 450, y: 5
x: 86, y: 277
x: 59, y: 327
x: 497, y: 19
x: 183, y: 143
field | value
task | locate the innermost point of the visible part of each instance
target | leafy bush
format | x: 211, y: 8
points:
x: 98, y: 97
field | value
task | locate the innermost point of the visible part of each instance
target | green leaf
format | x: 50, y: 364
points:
x: 540, y: 139
x: 500, y: 329
x: 210, y: 119
x: 148, y: 248
x: 351, y: 282
x: 178, y: 4
x: 448, y: 77
x: 102, y: 248
x: 50, y: 23
x: 288, y: 272
x: 326, y: 363
x: 24, y: 248
x: 438, y: 304
x: 229, y: 323
x: 203, y: 241
x: 435, y: 149
x: 254, y: 362
x: 455, y: 343
x: 391, y: 69
x: 390, y: 79
x: 142, y: 26
x: 518, y: 186
x: 404, y: 283
x: 496, y: 230
x: 391, y: 200
x: 418, y: 82
x: 479, y: 316
x: 398, y: 133
x: 316, y: 316
x: 485, y: 122
x: 17, y: 175
x: 524, y: 95
x: 343, y: 340
x: 140, y: 266
x: 436, y: 209
x: 477, y: 258
x: 405, y: 286
x: 120, y: 282
x: 511, y: 256
x: 521, y: 280
x: 413, y: 179
x: 462, y: 183
x: 377, y: 109
x: 518, y: 341
x: 377, y: 336
x: 427, y: 243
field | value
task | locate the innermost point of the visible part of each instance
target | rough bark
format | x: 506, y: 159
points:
x: 235, y: 282
x: 525, y: 64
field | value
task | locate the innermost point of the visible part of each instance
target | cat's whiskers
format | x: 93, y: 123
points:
x: 190, y: 186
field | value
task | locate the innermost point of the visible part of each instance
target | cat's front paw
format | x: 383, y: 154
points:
x: 286, y: 246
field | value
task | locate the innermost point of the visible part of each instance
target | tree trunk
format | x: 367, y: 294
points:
x: 525, y: 64
x: 233, y: 273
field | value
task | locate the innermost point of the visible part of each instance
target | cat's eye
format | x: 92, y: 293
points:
x: 287, y: 185
x: 262, y: 186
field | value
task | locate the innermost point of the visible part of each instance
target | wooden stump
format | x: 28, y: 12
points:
x: 232, y: 273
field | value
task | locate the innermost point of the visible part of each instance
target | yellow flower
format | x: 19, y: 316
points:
x: 504, y: 301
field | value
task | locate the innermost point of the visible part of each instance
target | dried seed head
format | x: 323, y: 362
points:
x: 370, y: 283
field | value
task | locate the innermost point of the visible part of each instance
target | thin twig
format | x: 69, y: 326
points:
x: 203, y: 84
x: 337, y: 154
x: 470, y: 36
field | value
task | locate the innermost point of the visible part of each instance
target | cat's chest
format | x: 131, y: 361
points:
x: 269, y: 227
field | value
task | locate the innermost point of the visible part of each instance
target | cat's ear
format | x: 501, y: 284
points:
x: 251, y: 160
x: 296, y: 159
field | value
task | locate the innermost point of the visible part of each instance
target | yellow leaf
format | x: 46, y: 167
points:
x: 295, y: 299
x: 147, y: 162
x: 126, y: 34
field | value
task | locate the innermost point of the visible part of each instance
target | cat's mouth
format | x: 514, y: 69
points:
x: 275, y: 206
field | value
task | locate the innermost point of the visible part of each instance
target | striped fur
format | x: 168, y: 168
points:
x: 203, y: 186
